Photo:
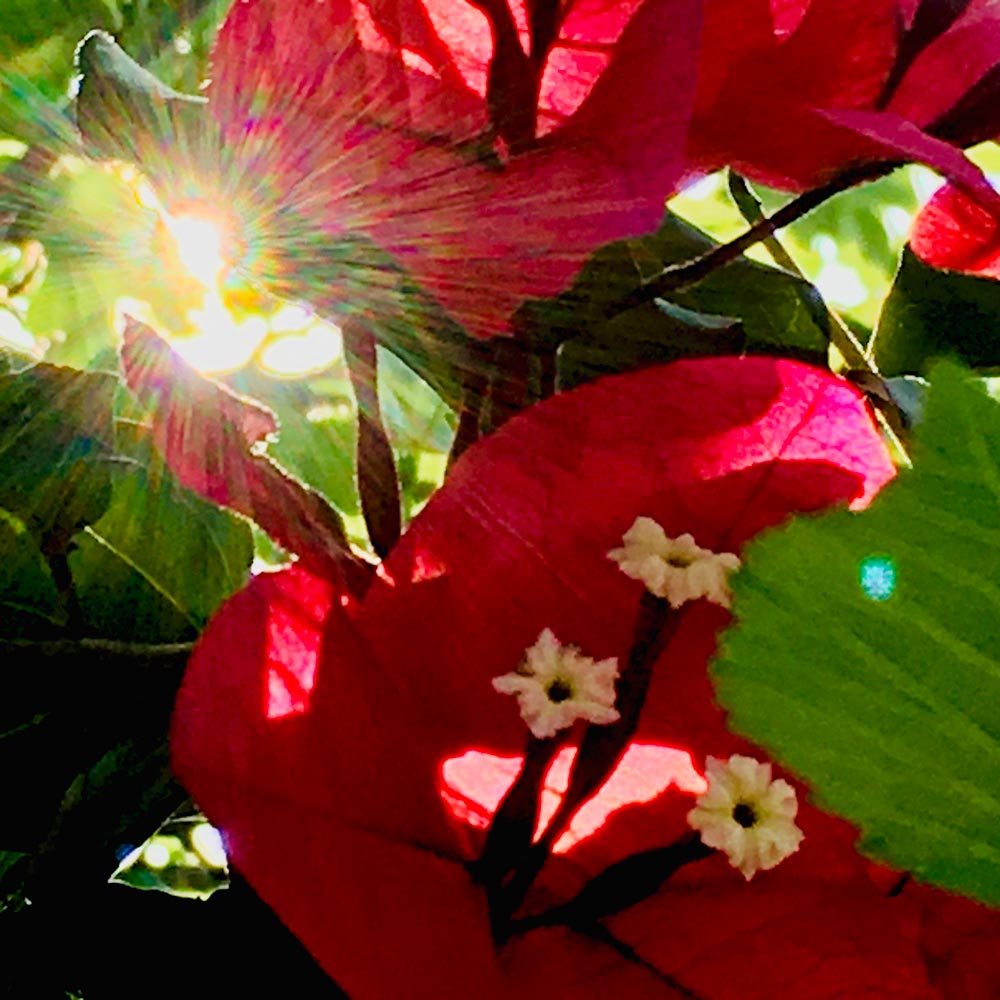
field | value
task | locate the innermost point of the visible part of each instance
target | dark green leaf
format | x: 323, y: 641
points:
x: 745, y: 304
x: 55, y: 441
x: 29, y: 600
x: 931, y: 313
x: 160, y: 561
x: 640, y: 337
x: 866, y: 651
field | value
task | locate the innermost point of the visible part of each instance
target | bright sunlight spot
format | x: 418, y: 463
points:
x: 207, y: 841
x: 838, y: 282
x: 305, y: 354
x: 155, y: 855
x: 201, y: 245
x: 216, y: 322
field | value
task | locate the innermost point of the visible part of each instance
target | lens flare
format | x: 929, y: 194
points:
x: 877, y: 576
x: 220, y: 323
x: 200, y: 243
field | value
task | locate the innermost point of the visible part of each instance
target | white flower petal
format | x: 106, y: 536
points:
x: 770, y: 837
x: 585, y: 687
x: 675, y: 569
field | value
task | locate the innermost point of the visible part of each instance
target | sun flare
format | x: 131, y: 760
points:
x: 220, y: 322
x: 200, y: 243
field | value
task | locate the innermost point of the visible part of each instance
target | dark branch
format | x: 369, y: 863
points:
x: 678, y: 276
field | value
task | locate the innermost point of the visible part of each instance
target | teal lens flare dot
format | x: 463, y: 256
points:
x: 878, y: 577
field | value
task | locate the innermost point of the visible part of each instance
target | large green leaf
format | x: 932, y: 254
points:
x: 930, y: 313
x: 865, y: 654
x: 161, y: 560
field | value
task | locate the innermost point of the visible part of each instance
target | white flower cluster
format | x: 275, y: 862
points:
x: 555, y: 685
x: 746, y: 814
x: 676, y: 569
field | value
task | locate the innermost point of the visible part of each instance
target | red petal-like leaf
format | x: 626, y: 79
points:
x: 952, y: 64
x: 371, y: 119
x: 350, y: 751
x: 212, y: 440
x: 957, y: 234
x: 776, y: 96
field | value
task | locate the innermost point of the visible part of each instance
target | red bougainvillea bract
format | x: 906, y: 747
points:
x: 793, y: 93
x: 352, y: 750
x: 487, y: 149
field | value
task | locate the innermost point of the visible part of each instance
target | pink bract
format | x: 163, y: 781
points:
x: 793, y: 93
x: 954, y: 233
x: 351, y: 750
x: 486, y: 149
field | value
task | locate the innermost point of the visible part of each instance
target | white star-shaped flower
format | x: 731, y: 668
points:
x: 676, y: 569
x: 555, y: 685
x: 746, y: 814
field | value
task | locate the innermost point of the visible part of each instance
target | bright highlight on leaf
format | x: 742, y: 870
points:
x: 891, y: 708
x: 207, y: 841
x: 311, y: 350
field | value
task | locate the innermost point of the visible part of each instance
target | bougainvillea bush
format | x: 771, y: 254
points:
x: 463, y: 572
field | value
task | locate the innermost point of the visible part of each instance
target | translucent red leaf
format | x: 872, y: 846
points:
x: 331, y: 740
x: 213, y: 441
x: 955, y: 233
x: 425, y: 127
x: 775, y: 96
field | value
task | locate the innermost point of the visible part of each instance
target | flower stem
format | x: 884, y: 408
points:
x: 677, y: 276
x: 621, y: 885
x: 836, y: 330
x: 601, y: 748
x: 378, y: 481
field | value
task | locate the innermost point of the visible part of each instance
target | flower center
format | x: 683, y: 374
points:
x: 559, y: 691
x: 679, y: 560
x: 744, y: 814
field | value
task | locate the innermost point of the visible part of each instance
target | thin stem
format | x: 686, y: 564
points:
x: 378, y: 480
x: 29, y: 666
x: 836, y: 330
x: 620, y: 885
x: 474, y: 399
x: 601, y: 748
x: 111, y: 648
x: 677, y: 276
x: 855, y: 356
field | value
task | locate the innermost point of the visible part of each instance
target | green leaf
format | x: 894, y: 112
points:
x: 161, y: 560
x: 635, y: 340
x: 122, y: 109
x: 55, y: 441
x: 930, y: 313
x: 316, y: 441
x: 865, y: 655
x: 29, y: 600
x: 415, y: 416
x: 743, y: 305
